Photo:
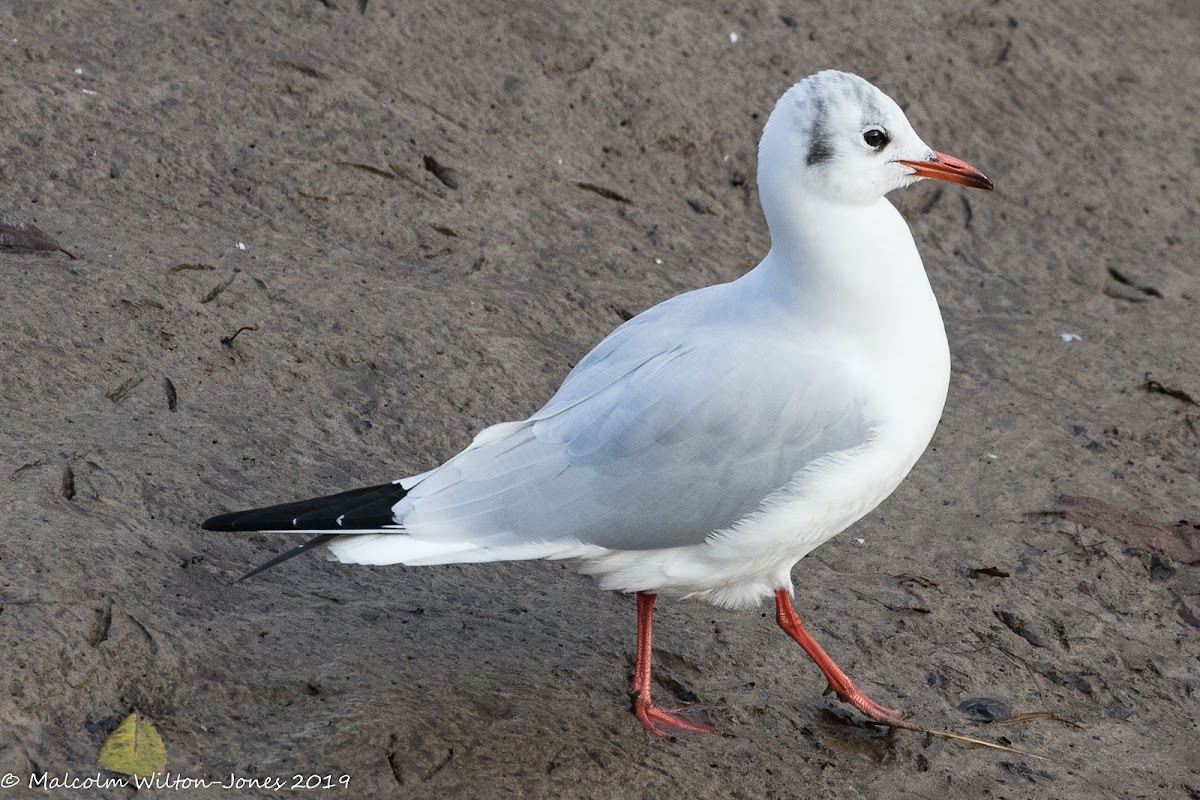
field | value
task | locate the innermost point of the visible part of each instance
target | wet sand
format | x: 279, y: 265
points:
x: 442, y: 208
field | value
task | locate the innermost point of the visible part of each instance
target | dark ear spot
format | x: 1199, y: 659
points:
x: 820, y: 143
x: 820, y: 149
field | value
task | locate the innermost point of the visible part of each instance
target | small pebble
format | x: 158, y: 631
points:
x: 985, y: 709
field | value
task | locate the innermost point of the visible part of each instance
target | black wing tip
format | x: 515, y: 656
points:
x: 243, y: 521
x: 367, y: 507
x: 222, y: 522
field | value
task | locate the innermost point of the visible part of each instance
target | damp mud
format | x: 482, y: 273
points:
x: 319, y: 245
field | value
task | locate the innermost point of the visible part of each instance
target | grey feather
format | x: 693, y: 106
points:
x: 636, y: 433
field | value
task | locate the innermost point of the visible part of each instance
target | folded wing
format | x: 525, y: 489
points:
x: 646, y: 445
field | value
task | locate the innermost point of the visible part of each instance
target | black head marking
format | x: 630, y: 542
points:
x: 841, y: 87
x: 820, y: 148
x: 820, y: 143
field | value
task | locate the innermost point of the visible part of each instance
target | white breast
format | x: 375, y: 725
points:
x: 898, y: 347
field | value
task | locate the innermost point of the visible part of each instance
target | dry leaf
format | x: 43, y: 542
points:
x: 1180, y: 542
x: 134, y: 748
x: 21, y: 237
x: 1187, y: 615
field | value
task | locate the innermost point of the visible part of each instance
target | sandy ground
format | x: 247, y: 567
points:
x: 420, y: 261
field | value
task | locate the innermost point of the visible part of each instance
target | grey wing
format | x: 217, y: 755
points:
x: 644, y: 452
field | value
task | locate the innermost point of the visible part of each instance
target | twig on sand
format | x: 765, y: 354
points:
x: 977, y: 742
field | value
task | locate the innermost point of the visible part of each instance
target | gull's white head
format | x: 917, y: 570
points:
x: 835, y: 135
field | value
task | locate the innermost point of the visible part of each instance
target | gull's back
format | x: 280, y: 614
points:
x: 679, y: 424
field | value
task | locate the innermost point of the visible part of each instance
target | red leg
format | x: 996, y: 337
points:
x: 654, y: 719
x: 841, y: 685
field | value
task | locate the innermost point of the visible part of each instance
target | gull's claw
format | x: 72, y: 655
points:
x: 670, y: 723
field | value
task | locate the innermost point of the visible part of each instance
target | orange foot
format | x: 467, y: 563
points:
x: 660, y: 722
x: 882, y: 714
x: 669, y: 724
x: 839, y: 684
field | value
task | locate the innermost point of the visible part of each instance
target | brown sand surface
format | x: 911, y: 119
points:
x: 421, y: 261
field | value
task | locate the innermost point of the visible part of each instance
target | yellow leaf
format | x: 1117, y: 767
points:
x: 134, y: 748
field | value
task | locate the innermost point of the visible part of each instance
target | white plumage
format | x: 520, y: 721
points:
x: 708, y: 444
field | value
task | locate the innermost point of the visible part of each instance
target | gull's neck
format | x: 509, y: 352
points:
x: 850, y: 265
x: 849, y: 279
x: 852, y: 262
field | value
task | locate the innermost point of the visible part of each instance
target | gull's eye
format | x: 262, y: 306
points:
x: 875, y: 138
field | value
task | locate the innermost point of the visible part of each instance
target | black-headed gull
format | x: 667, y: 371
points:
x: 708, y: 444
